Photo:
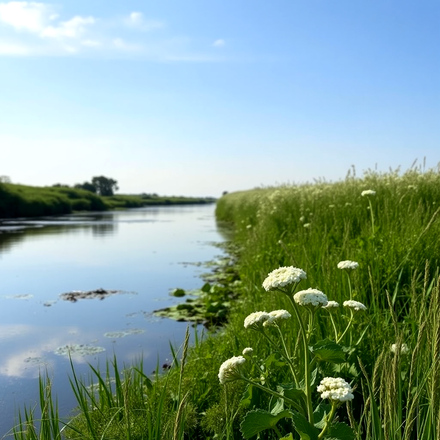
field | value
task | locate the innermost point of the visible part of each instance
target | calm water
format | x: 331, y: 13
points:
x: 141, y: 252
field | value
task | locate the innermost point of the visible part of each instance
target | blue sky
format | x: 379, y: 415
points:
x: 200, y: 97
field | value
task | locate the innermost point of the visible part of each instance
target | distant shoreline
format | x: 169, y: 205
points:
x: 32, y: 201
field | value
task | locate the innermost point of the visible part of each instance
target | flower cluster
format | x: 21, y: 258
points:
x: 368, y: 192
x: 347, y: 264
x: 256, y: 319
x: 283, y: 276
x: 230, y: 369
x: 311, y: 297
x: 403, y: 348
x: 356, y: 305
x: 336, y: 389
x: 331, y: 305
x: 275, y: 315
x: 248, y: 351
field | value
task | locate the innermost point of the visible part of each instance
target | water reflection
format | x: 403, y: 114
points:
x: 137, y: 251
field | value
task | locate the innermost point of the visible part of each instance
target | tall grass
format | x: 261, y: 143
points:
x: 393, y: 235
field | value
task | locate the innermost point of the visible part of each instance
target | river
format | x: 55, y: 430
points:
x: 140, y: 253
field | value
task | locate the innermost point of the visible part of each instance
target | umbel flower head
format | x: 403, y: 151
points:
x: 368, y: 192
x: 347, y: 264
x: 230, y: 369
x: 311, y: 297
x: 403, y: 348
x: 283, y: 276
x: 275, y: 316
x: 355, y: 305
x: 256, y: 319
x: 331, y: 305
x: 248, y: 351
x: 335, y: 389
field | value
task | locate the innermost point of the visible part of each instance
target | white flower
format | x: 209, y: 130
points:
x: 403, y: 348
x: 312, y: 297
x: 283, y: 276
x: 254, y: 320
x: 347, y: 264
x: 306, y: 225
x: 335, y: 388
x: 275, y: 315
x: 230, y: 369
x: 356, y: 305
x: 248, y: 351
x: 368, y: 192
x: 331, y: 305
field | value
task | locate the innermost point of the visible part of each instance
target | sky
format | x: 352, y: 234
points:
x: 197, y: 97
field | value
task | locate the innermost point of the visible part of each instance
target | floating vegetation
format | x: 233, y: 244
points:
x: 37, y: 360
x: 177, y: 292
x: 20, y: 296
x: 75, y: 295
x: 78, y: 350
x: 124, y: 333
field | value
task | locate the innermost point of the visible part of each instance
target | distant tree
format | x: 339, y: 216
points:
x: 5, y: 179
x: 104, y: 185
x: 60, y: 185
x: 87, y: 186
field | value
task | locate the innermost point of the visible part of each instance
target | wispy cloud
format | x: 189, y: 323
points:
x: 38, y: 29
x: 219, y: 43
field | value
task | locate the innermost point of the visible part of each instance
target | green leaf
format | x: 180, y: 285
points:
x: 305, y: 430
x: 287, y: 437
x: 328, y: 351
x: 320, y: 414
x: 251, y: 397
x: 340, y: 431
x: 291, y: 392
x: 259, y: 420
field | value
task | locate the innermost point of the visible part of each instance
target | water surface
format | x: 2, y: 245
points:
x: 142, y: 253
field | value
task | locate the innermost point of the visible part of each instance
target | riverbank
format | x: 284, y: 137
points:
x: 370, y: 246
x: 32, y: 201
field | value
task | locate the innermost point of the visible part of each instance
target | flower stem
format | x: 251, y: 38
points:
x: 346, y: 329
x: 268, y: 390
x: 334, y: 326
x: 372, y: 217
x: 328, y: 421
x: 349, y: 285
x: 287, y: 357
x: 307, y: 372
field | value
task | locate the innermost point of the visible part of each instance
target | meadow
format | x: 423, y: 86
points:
x: 33, y: 201
x: 290, y: 363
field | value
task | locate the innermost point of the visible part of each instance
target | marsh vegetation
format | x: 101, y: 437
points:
x: 384, y: 357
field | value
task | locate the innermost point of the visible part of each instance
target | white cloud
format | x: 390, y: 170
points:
x: 73, y: 28
x: 27, y: 16
x: 37, y: 29
x: 219, y: 43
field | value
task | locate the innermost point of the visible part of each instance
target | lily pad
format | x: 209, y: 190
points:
x: 78, y: 350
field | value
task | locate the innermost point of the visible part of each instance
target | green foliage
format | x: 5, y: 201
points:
x: 32, y: 201
x: 104, y: 186
x: 394, y: 238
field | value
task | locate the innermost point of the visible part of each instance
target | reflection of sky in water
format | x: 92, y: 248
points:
x: 139, y: 252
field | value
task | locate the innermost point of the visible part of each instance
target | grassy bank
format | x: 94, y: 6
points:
x: 386, y: 228
x: 30, y: 201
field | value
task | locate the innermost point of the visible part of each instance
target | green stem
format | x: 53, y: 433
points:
x: 334, y: 326
x: 372, y: 217
x: 287, y: 357
x: 328, y: 421
x: 307, y: 375
x: 349, y: 283
x: 268, y: 390
x: 346, y: 329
